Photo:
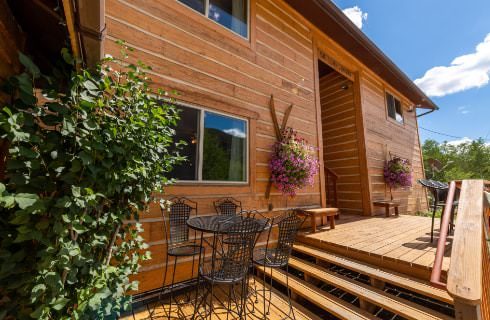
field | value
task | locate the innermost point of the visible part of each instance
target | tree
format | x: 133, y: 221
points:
x: 81, y: 164
x: 446, y: 162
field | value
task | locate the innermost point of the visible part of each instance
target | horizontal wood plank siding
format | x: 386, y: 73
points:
x: 384, y: 136
x: 340, y: 144
x: 211, y: 67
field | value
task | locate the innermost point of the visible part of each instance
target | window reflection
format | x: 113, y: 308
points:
x: 187, y: 130
x: 231, y: 14
x: 198, y: 5
x: 224, y: 152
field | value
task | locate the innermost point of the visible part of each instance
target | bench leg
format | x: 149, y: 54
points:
x: 396, y: 210
x: 387, y: 211
x: 332, y: 222
x: 313, y: 223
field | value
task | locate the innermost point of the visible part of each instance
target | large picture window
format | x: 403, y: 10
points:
x: 232, y: 14
x: 216, y: 146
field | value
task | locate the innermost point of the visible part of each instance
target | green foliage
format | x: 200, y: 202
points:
x: 81, y: 165
x: 446, y: 162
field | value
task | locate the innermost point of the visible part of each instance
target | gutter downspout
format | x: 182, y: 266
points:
x: 426, y: 113
x: 91, y: 27
x: 86, y: 27
x: 74, y: 39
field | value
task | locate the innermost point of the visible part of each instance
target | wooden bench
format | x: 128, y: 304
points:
x: 330, y: 213
x: 387, y: 204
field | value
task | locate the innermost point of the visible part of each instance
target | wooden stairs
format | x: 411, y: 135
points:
x: 310, y: 270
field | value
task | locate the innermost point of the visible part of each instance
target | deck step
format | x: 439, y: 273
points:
x: 400, y: 306
x: 321, y: 299
x: 385, y: 275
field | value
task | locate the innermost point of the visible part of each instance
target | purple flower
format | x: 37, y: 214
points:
x: 293, y: 164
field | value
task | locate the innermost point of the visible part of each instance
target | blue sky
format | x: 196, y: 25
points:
x: 419, y: 35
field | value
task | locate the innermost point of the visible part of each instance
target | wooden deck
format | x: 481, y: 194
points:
x: 279, y: 308
x: 399, y: 243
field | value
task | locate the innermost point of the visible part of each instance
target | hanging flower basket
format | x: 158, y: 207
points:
x: 293, y: 164
x: 398, y: 173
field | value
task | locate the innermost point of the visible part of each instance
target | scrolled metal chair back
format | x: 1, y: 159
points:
x: 234, y: 262
x: 228, y: 206
x: 176, y: 229
x: 288, y: 225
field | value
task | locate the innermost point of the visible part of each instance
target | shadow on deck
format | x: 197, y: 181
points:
x: 279, y: 308
x: 399, y: 243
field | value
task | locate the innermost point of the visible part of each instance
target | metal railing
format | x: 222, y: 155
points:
x: 435, y: 277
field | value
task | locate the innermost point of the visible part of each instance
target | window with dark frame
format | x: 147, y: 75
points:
x: 215, y: 147
x: 394, y: 107
x: 232, y: 14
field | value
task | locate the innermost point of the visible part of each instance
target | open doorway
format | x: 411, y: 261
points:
x: 340, y: 140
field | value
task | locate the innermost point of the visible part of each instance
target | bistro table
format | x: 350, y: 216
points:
x: 219, y: 225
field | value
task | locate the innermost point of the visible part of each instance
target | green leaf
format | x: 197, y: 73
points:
x: 29, y: 65
x: 60, y: 303
x: 25, y: 200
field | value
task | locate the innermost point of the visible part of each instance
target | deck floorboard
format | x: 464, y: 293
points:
x: 390, y: 242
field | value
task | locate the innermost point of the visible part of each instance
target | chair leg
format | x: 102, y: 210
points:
x: 163, y: 286
x: 172, y: 289
x: 263, y: 293
x: 432, y: 225
x: 270, y: 293
x: 291, y: 309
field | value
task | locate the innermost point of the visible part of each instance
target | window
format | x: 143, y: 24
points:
x: 394, y: 107
x: 216, y: 147
x: 232, y: 14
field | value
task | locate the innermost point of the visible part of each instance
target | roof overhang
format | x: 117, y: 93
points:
x: 328, y: 18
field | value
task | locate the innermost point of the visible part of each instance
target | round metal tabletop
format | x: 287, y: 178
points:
x: 220, y: 223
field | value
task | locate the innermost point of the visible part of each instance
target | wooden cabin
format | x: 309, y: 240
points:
x: 349, y: 99
x: 227, y: 60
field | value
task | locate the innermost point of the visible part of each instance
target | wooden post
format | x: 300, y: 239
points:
x: 278, y: 130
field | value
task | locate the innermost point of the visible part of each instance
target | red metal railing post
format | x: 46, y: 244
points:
x: 435, y: 277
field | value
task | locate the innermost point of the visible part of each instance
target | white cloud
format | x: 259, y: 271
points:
x: 463, y: 110
x: 465, y: 72
x: 235, y: 132
x: 458, y: 142
x: 356, y: 15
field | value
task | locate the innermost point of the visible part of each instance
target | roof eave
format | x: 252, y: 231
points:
x: 327, y: 17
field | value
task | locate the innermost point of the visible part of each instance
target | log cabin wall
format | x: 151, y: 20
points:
x: 340, y: 141
x: 384, y: 136
x: 211, y: 67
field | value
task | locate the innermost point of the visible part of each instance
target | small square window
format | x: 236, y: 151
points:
x: 394, y: 107
x: 198, y: 5
x: 232, y: 14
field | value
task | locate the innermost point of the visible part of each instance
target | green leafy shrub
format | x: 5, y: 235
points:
x: 82, y: 163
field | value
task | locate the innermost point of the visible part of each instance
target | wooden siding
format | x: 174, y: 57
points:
x: 340, y: 141
x: 211, y: 67
x: 384, y: 137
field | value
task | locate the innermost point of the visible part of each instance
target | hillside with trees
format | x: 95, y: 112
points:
x: 446, y: 162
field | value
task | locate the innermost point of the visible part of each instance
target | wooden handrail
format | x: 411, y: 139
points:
x: 435, y: 277
x: 466, y: 268
x: 331, y: 172
x: 330, y: 175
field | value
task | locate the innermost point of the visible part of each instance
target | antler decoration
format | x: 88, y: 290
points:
x: 278, y: 131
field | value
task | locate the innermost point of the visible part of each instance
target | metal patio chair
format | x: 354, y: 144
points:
x: 229, y: 266
x: 179, y: 243
x: 439, y: 191
x: 228, y: 206
x: 278, y: 256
